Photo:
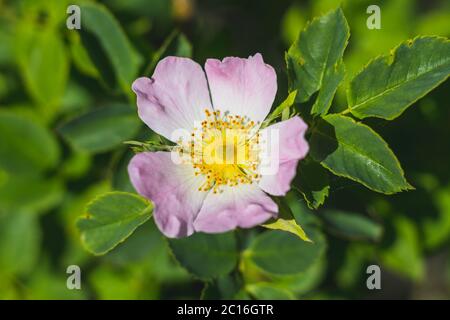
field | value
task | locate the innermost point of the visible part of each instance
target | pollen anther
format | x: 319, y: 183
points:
x: 225, y: 152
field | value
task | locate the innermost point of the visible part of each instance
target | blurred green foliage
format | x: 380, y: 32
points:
x: 52, y: 162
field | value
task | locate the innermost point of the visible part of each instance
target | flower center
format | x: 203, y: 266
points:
x: 225, y: 149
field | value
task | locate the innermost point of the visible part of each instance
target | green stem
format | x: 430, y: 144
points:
x: 348, y: 110
x: 138, y: 146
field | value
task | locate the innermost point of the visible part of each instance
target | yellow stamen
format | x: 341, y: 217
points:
x: 225, y: 151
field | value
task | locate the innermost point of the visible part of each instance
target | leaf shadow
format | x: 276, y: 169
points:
x: 323, y: 141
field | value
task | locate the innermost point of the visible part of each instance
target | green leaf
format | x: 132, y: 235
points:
x: 19, y: 242
x: 314, y: 61
x: 144, y: 242
x: 312, y: 182
x: 283, y: 253
x: 286, y: 222
x: 391, y: 83
x: 150, y: 145
x: 224, y: 287
x: 206, y: 255
x: 303, y: 215
x: 184, y: 47
x: 101, y: 129
x: 436, y: 228
x: 81, y: 57
x: 120, y: 179
x: 76, y: 99
x: 109, y: 284
x: 26, y: 147
x: 45, y: 51
x: 353, y: 150
x: 352, y: 225
x: 331, y: 80
x: 303, y: 282
x: 352, y: 272
x: 403, y: 254
x: 286, y: 114
x: 281, y: 109
x: 268, y: 291
x: 289, y: 225
x: 29, y: 193
x: 46, y: 284
x: 76, y: 165
x: 110, y: 219
x: 101, y: 31
x: 176, y: 44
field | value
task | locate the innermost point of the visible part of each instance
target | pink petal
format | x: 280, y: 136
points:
x: 174, y: 98
x: 292, y: 148
x: 244, y: 87
x: 242, y: 206
x: 173, y: 188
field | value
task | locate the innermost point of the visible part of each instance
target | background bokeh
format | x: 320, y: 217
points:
x: 51, y: 166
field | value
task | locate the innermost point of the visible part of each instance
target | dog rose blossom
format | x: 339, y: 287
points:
x: 219, y: 182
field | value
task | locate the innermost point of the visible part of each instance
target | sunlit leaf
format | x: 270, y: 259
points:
x: 45, y: 51
x: 286, y: 221
x: 390, y: 84
x: 314, y: 61
x: 285, y: 105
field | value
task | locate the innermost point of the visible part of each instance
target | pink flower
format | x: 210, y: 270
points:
x: 203, y: 194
